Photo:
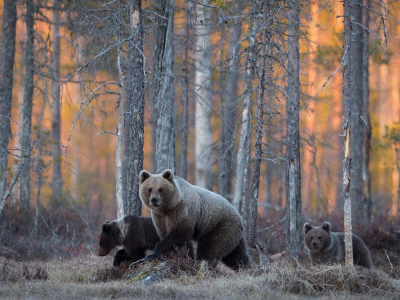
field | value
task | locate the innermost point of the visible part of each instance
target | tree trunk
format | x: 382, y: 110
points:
x: 310, y: 153
x: 356, y: 123
x: 27, y: 109
x: 366, y: 175
x: 346, y: 162
x: 242, y: 154
x: 120, y: 130
x: 56, y: 121
x: 185, y: 98
x: 293, y: 175
x: 203, y: 99
x: 251, y: 224
x: 228, y: 113
x: 164, y: 87
x: 136, y: 110
x: 7, y: 50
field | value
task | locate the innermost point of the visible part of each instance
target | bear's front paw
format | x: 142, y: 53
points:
x: 153, y: 256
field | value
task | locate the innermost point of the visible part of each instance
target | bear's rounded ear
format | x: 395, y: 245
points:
x: 143, y: 175
x: 168, y: 174
x: 106, y: 226
x: 307, y: 227
x: 326, y: 226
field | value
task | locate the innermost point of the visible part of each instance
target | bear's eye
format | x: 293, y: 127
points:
x: 319, y: 237
x: 311, y: 237
x: 150, y: 190
x: 160, y: 190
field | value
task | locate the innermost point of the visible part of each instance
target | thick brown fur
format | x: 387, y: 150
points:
x: 183, y: 212
x: 326, y: 247
x: 136, y: 234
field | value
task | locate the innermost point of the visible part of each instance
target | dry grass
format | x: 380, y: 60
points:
x: 87, y: 276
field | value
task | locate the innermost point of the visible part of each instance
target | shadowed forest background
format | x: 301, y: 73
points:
x: 91, y: 45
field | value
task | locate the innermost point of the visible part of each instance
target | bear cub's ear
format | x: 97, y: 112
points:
x: 106, y: 226
x: 143, y: 176
x: 326, y: 226
x: 168, y: 174
x: 307, y: 227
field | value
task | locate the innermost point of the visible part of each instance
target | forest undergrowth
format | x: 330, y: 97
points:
x: 53, y: 261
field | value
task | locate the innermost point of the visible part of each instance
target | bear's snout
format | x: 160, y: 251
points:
x: 315, y: 245
x: 154, y: 201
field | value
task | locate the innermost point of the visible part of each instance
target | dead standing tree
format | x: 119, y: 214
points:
x: 7, y: 50
x: 164, y: 86
x: 25, y: 189
x: 251, y: 221
x: 56, y: 121
x: 346, y: 163
x: 135, y: 91
x: 356, y: 122
x: 293, y: 175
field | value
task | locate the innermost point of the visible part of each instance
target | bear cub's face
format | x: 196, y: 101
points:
x: 317, y: 238
x: 107, y: 240
x: 156, y: 189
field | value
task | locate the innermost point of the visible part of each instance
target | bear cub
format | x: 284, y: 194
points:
x: 136, y: 234
x: 325, y: 246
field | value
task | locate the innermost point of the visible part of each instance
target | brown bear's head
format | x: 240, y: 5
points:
x: 159, y: 192
x: 111, y: 236
x: 317, y: 238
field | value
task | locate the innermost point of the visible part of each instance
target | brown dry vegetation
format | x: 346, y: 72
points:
x: 59, y: 262
x: 88, y: 276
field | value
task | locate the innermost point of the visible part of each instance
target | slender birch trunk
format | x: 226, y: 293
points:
x: 136, y: 110
x: 56, y: 120
x: 164, y: 86
x: 203, y: 99
x: 228, y: 113
x: 293, y: 171
x: 120, y: 130
x: 366, y: 175
x: 240, y: 191
x: 25, y: 189
x: 346, y: 163
x: 7, y: 50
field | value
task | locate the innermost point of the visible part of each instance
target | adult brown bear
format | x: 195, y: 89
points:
x: 183, y: 212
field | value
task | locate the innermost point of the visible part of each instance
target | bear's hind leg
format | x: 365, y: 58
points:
x: 219, y: 242
x: 238, y: 257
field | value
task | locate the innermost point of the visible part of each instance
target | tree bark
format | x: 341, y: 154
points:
x: 356, y: 123
x: 228, y: 113
x: 309, y: 155
x: 203, y: 100
x: 251, y: 224
x: 293, y: 171
x: 7, y: 50
x: 243, y: 155
x: 346, y: 162
x: 366, y: 175
x: 136, y: 95
x: 118, y: 149
x: 164, y: 86
x: 185, y: 99
x: 56, y: 121
x: 27, y: 109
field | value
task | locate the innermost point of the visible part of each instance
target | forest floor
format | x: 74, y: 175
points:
x: 84, y: 275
